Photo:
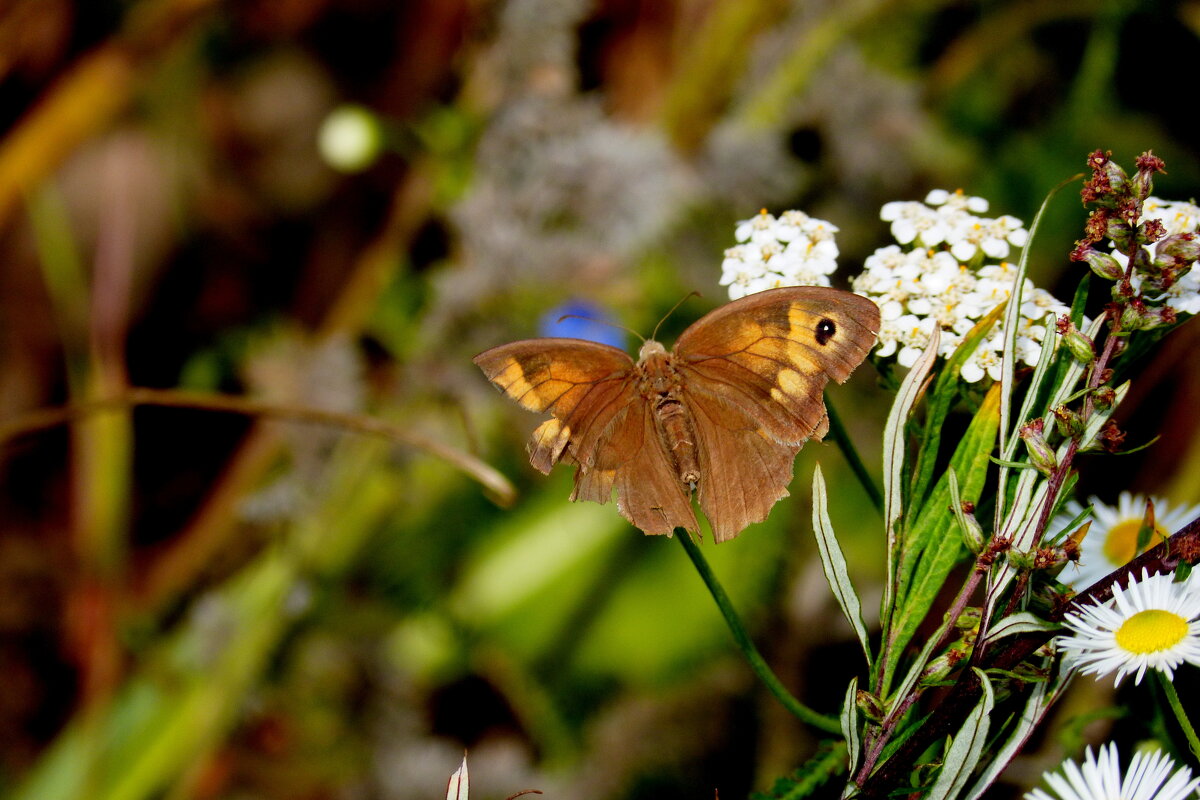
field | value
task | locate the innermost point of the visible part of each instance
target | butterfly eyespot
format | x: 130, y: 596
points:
x: 825, y: 330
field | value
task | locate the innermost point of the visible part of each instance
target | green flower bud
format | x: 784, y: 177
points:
x: 1079, y: 344
x: 870, y: 705
x: 1068, y: 422
x: 1183, y: 247
x: 1104, y: 265
x: 972, y: 534
x: 1041, y: 454
x: 1104, y: 397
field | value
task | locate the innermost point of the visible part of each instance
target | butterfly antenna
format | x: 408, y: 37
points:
x: 601, y: 322
x: 683, y: 300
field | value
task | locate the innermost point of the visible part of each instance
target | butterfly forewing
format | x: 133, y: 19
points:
x: 771, y: 354
x: 583, y: 384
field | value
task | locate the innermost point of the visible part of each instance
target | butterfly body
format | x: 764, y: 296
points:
x: 722, y: 415
x: 662, y: 386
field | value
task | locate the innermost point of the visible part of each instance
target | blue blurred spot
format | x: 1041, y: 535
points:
x: 593, y: 328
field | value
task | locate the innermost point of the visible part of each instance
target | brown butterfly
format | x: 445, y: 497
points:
x: 724, y: 414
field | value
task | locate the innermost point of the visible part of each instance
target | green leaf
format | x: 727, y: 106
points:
x: 828, y: 761
x: 1043, y: 696
x: 1021, y: 622
x: 967, y: 747
x: 894, y: 446
x: 945, y: 391
x: 834, y: 563
x: 1011, y: 320
x: 850, y: 724
x: 930, y: 553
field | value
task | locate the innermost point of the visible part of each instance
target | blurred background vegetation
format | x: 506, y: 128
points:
x: 203, y: 604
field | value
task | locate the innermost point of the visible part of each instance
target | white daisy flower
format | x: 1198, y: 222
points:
x: 1101, y: 779
x: 1111, y: 541
x: 1154, y: 623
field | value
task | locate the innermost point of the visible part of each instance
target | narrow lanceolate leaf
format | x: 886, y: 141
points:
x: 894, y: 447
x: 967, y: 747
x: 933, y: 546
x: 1023, y: 622
x: 459, y: 785
x: 940, y: 399
x: 1044, y: 696
x: 850, y: 723
x: 834, y: 563
x: 1012, y: 319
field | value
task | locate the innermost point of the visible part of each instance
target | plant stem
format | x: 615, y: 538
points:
x: 1180, y: 715
x: 233, y: 404
x: 838, y: 431
x: 746, y: 645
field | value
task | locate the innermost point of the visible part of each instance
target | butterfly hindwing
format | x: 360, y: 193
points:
x: 744, y: 472
x: 632, y: 459
x: 771, y: 354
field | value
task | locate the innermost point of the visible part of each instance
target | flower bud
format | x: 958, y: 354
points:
x: 1182, y: 246
x: 1068, y: 422
x: 1118, y: 180
x: 1049, y: 557
x: 972, y: 534
x: 1021, y: 561
x: 1117, y: 230
x: 1080, y: 346
x: 1041, y: 454
x: 1139, y: 316
x: 1151, y: 231
x: 940, y: 668
x: 1147, y: 164
x: 969, y: 619
x: 1104, y: 265
x: 1104, y: 397
x: 870, y: 705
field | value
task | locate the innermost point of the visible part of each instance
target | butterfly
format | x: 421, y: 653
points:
x: 722, y: 415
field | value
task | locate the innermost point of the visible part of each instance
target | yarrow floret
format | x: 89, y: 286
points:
x: 1153, y: 623
x: 1112, y: 539
x: 791, y: 250
x: 936, y: 275
x: 1151, y: 776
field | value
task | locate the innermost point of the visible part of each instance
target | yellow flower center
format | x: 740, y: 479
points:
x: 1151, y: 631
x: 1121, y: 544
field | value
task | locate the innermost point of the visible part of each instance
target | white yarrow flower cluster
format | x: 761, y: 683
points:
x: 1177, y: 217
x: 939, y: 275
x: 1153, y: 623
x: 1151, y: 776
x: 791, y: 250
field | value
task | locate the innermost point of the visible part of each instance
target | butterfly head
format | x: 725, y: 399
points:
x: 651, y: 348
